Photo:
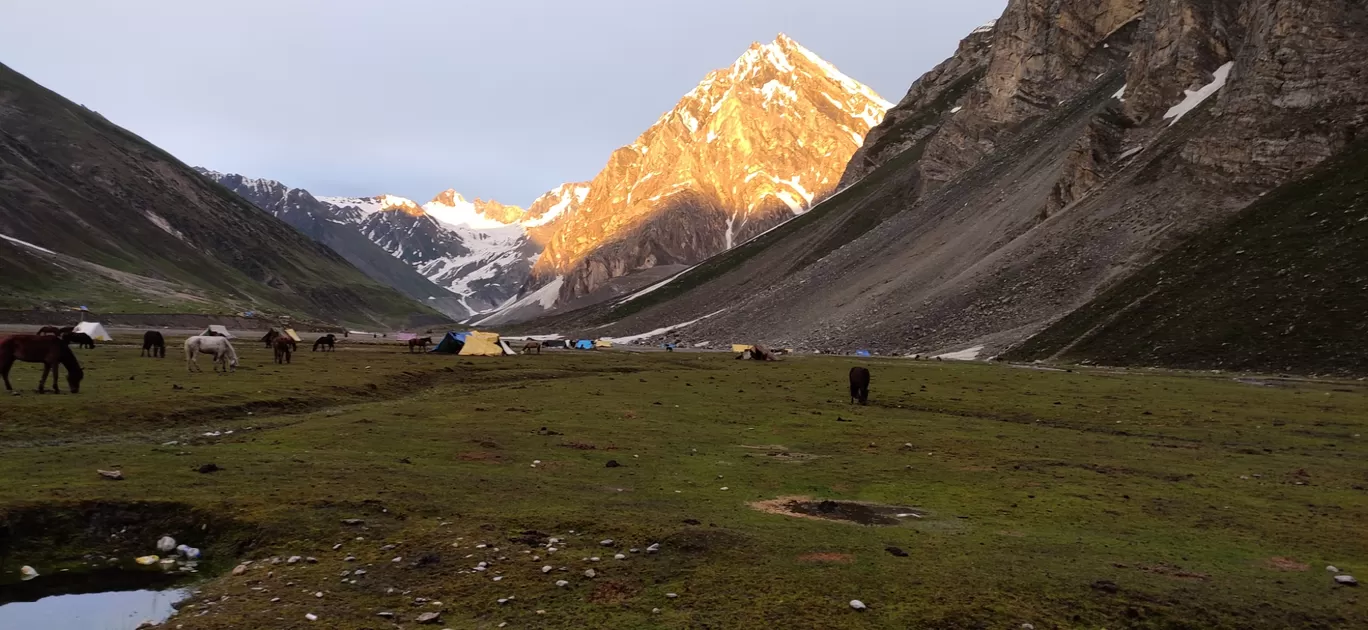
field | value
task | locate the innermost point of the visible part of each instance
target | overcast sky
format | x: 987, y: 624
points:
x: 501, y: 100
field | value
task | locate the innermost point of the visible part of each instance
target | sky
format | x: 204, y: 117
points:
x: 500, y: 100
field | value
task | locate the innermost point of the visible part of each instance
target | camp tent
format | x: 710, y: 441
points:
x: 863, y: 353
x: 603, y: 343
x: 450, y: 344
x: 95, y: 330
x: 218, y: 330
x: 556, y: 343
x: 740, y: 347
x: 584, y: 344
x: 478, y: 344
x: 507, y: 350
x: 290, y: 332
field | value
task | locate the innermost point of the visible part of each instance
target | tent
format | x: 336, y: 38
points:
x: 478, y: 344
x: 95, y: 330
x: 215, y: 329
x: 584, y: 344
x: 863, y: 353
x: 289, y: 332
x: 739, y: 348
x: 603, y: 343
x: 556, y: 343
x: 450, y: 344
x: 507, y: 350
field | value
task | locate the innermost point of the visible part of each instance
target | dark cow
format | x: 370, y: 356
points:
x: 859, y: 385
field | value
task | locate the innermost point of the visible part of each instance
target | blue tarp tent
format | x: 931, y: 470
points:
x: 450, y: 344
x: 863, y: 353
x: 584, y: 344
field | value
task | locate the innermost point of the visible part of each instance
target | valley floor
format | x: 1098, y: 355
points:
x: 1091, y: 498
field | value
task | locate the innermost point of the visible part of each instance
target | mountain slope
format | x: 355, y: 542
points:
x: 751, y: 146
x: 130, y: 224
x: 1281, y: 287
x: 1041, y: 184
x: 336, y: 228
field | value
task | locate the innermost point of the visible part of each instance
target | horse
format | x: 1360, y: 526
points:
x: 270, y: 337
x: 859, y: 385
x: 283, y: 346
x: 530, y: 346
x: 49, y: 330
x: 81, y: 340
x: 48, y: 350
x: 215, y: 346
x: 328, y: 342
x: 420, y: 343
x: 154, y: 345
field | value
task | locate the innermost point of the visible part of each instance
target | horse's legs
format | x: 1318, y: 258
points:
x: 55, y: 368
x: 5, y: 365
x: 42, y: 383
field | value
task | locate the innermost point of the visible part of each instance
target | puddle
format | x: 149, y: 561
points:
x: 118, y: 610
x: 858, y: 512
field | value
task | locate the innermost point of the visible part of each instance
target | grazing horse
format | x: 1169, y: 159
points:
x: 328, y: 342
x: 215, y: 346
x: 419, y: 342
x: 154, y: 345
x: 270, y: 337
x: 859, y: 385
x: 283, y: 346
x: 530, y: 346
x: 81, y: 340
x: 50, y: 330
x: 48, y: 350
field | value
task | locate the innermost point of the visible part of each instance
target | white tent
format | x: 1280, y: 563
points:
x: 507, y: 350
x: 219, y: 330
x: 95, y: 330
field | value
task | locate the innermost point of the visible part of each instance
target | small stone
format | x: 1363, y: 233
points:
x: 27, y: 573
x: 358, y: 572
x: 166, y: 544
x: 589, y: 573
x: 594, y: 559
x: 352, y: 521
x: 498, y: 577
x: 562, y: 583
x: 503, y: 601
x: 619, y: 556
x: 293, y: 560
x: 725, y: 488
x: 275, y: 599
x: 1332, y: 568
x: 1347, y: 580
x: 655, y: 611
x: 672, y: 595
x: 208, y: 468
x: 606, y: 543
x: 633, y: 550
x: 318, y: 594
x: 1027, y: 626
x: 546, y: 569
x: 654, y: 547
x: 239, y: 569
x: 112, y: 475
x: 311, y: 616
x: 429, y: 617
x: 858, y: 605
x: 387, y: 615
x: 337, y: 546
x: 896, y: 551
x: 397, y: 559
x: 612, y: 463
x: 481, y: 546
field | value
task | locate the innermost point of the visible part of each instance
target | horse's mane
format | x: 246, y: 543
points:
x: 232, y: 354
x: 68, y: 359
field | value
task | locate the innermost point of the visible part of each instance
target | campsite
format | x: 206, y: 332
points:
x: 369, y: 486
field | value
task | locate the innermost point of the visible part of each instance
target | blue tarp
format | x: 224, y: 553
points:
x: 863, y: 353
x: 450, y: 344
x: 584, y: 344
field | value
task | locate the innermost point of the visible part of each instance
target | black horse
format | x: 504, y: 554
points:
x: 327, y: 342
x: 154, y: 345
x: 81, y: 340
x: 859, y: 385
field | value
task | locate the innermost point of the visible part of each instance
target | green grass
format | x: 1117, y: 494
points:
x: 1085, y: 499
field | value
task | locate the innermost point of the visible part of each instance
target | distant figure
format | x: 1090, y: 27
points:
x: 216, y: 346
x: 327, y: 342
x: 283, y: 346
x: 49, y: 330
x: 859, y: 385
x: 154, y: 345
x: 346, y: 334
x: 81, y: 340
x: 48, y: 350
x: 270, y: 337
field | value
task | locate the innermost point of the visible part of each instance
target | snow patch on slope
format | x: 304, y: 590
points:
x: 660, y: 331
x: 1193, y: 99
x: 27, y: 244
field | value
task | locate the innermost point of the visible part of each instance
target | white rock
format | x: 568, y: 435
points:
x: 311, y: 616
x: 654, y: 547
x: 498, y: 577
x: 858, y: 605
x: 562, y: 583
x: 606, y: 543
x: 1027, y: 626
x: 503, y: 601
x: 619, y: 556
x: 672, y: 595
x: 546, y: 569
x: 318, y: 594
x: 655, y: 611
x: 594, y: 559
x: 589, y: 573
x: 27, y: 572
x: 1347, y: 580
x: 293, y: 560
x: 481, y: 546
x: 397, y: 560
x: 166, y: 544
x: 1332, y: 568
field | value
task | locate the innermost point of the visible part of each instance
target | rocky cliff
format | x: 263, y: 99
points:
x: 1060, y: 151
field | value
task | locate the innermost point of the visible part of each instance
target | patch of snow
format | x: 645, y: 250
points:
x: 730, y: 221
x: 775, y: 89
x: 1193, y: 99
x: 985, y: 28
x: 789, y: 200
x: 460, y: 212
x: 27, y: 244
x: 712, y: 135
x: 567, y: 196
x: 859, y: 139
x: 162, y: 223
x: 956, y: 110
x: 1130, y: 152
x: 797, y: 187
x: 1120, y: 94
x: 688, y: 120
x: 660, y: 331
x: 968, y: 354
x: 851, y: 85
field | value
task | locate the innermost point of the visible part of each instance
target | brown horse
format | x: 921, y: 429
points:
x: 420, y: 343
x: 48, y: 350
x: 530, y: 346
x: 50, y: 330
x: 270, y: 337
x: 81, y: 340
x: 327, y: 342
x: 154, y: 345
x: 283, y: 346
x: 859, y: 385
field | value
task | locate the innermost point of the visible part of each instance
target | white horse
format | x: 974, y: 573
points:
x: 217, y: 347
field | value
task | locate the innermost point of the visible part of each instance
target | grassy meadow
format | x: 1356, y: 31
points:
x: 1084, y: 499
